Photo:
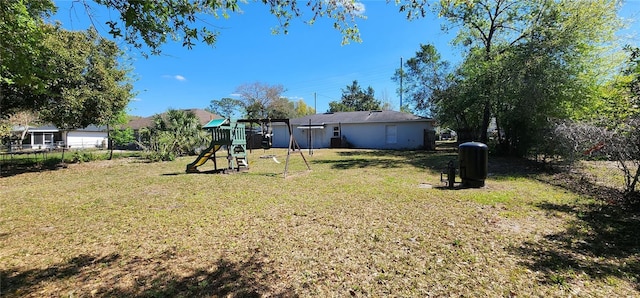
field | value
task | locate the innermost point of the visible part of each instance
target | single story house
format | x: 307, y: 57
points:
x: 362, y: 129
x: 50, y: 137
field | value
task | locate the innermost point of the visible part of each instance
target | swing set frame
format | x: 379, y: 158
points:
x: 293, y: 144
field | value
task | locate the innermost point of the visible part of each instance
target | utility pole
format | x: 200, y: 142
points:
x: 401, y: 75
x: 315, y: 107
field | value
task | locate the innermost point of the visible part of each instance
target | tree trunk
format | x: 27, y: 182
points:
x: 66, y: 137
x: 631, y: 187
x: 486, y: 119
x: 109, y: 142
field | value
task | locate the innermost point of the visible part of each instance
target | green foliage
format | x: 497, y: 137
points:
x: 122, y: 137
x: 263, y: 101
x: 615, y: 130
x: 5, y: 131
x: 528, y: 62
x: 225, y: 107
x: 424, y: 77
x: 73, y: 78
x: 355, y: 99
x: 84, y: 82
x: 633, y: 73
x: 163, y: 147
x: 281, y: 108
x: 22, y: 31
x: 178, y: 133
x: 302, y: 109
x: 153, y: 23
x: 83, y: 156
x: 87, y: 83
x: 21, y: 48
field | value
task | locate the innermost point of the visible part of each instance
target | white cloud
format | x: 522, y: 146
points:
x: 136, y: 99
x: 357, y: 8
x: 175, y: 77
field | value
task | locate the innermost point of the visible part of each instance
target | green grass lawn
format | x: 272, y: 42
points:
x: 361, y: 223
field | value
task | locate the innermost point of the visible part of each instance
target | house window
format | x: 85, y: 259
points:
x: 38, y: 138
x: 391, y: 134
x: 48, y: 139
x: 336, y: 131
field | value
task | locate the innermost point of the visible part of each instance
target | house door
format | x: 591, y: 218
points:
x: 314, y: 138
x: 391, y: 134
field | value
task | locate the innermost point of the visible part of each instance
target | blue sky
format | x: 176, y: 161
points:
x: 309, y: 60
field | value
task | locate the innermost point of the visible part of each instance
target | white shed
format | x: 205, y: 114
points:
x: 90, y: 137
x: 362, y: 129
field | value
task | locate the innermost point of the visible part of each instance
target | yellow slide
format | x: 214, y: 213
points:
x: 202, y: 158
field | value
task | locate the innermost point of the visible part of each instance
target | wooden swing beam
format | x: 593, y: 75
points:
x: 292, y: 140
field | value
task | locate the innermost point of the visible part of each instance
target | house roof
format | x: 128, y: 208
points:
x: 53, y: 128
x: 203, y: 116
x: 358, y: 117
x: 92, y: 128
x: 43, y: 128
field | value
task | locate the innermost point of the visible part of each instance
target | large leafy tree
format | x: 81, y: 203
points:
x: 22, y: 77
x: 613, y: 132
x: 152, y: 23
x: 226, y: 107
x: 282, y: 108
x: 72, y: 79
x: 526, y: 63
x: 424, y: 77
x: 86, y: 83
x: 355, y: 99
x: 22, y: 31
x: 491, y: 26
x: 302, y: 109
x: 620, y: 97
x: 555, y: 73
x: 260, y: 100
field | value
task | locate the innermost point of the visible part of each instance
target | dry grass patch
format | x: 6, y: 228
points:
x: 358, y: 224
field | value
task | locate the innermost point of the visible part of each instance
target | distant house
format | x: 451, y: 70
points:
x: 363, y: 129
x: 49, y: 137
x: 147, y: 122
x: 203, y: 116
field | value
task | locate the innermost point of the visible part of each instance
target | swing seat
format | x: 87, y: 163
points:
x: 266, y: 142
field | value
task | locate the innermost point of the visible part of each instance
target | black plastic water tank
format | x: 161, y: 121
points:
x: 473, y: 158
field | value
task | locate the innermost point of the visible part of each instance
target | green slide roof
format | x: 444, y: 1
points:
x: 216, y: 123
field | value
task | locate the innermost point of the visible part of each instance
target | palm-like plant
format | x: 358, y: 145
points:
x: 177, y: 133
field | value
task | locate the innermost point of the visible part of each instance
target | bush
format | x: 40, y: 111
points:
x: 620, y: 143
x: 82, y: 156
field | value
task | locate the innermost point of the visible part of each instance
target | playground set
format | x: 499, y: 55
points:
x: 231, y: 135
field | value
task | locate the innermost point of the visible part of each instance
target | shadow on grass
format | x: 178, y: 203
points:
x: 601, y: 242
x: 581, y: 184
x: 435, y: 161
x: 388, y: 159
x: 18, y: 168
x: 147, y: 278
